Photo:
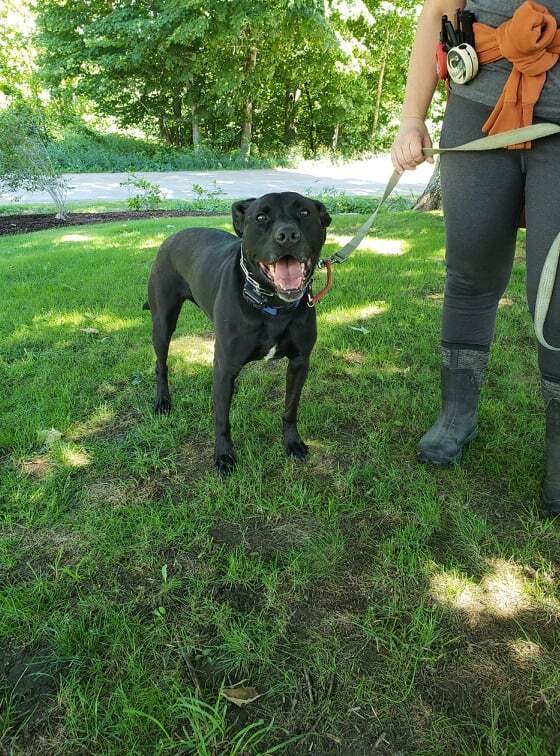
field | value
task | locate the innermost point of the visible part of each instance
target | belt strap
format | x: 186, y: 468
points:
x: 493, y: 142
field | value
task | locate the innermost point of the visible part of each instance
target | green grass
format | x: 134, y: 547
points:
x: 24, y: 208
x: 338, y: 202
x: 373, y: 602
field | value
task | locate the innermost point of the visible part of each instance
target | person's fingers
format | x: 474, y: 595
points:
x: 412, y: 151
x: 416, y: 154
x: 396, y: 164
x: 427, y: 142
x: 399, y: 156
x: 407, y: 151
x: 402, y: 155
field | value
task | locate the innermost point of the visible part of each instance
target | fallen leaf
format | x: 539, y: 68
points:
x: 361, y: 329
x: 93, y: 331
x: 240, y: 695
x: 49, y: 437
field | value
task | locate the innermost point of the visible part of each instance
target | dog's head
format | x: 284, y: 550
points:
x: 282, y: 239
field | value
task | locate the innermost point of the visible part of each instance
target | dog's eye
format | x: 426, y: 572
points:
x: 261, y: 217
x: 304, y: 212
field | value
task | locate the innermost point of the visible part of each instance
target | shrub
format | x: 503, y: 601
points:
x: 82, y: 150
x: 148, y: 196
x: 24, y: 159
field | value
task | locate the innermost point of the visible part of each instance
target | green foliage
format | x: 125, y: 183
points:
x: 211, y: 201
x: 280, y: 73
x: 147, y: 196
x: 210, y: 194
x: 80, y: 150
x: 17, y: 53
x: 24, y: 160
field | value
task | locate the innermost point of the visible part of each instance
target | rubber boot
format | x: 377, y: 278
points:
x: 551, y: 486
x: 462, y: 374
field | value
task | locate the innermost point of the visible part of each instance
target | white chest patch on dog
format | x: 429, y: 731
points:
x: 270, y: 354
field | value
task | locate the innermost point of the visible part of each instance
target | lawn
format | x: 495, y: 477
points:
x: 374, y: 604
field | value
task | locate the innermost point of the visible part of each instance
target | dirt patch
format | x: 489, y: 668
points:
x: 114, y: 424
x: 30, y: 681
x: 195, y: 458
x: 477, y: 673
x: 114, y: 493
x: 35, y: 551
x: 37, y: 467
x: 241, y: 599
x: 332, y: 605
x: 267, y: 536
x: 326, y: 466
x: 27, y: 223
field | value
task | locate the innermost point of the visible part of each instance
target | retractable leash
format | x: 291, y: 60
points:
x: 456, y: 57
x: 494, y: 142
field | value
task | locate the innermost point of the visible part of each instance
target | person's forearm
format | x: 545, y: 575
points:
x: 422, y: 77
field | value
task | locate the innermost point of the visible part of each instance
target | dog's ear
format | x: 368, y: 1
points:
x: 238, y: 210
x: 323, y: 214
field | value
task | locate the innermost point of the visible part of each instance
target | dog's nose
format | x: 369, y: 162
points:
x: 287, y: 235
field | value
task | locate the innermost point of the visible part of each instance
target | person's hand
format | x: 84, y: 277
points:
x: 406, y: 152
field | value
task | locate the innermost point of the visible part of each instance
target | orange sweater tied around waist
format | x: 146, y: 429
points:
x: 530, y: 40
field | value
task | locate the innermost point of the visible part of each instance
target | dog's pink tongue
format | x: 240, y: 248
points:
x: 287, y: 273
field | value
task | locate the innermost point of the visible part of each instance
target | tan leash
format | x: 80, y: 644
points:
x: 494, y: 142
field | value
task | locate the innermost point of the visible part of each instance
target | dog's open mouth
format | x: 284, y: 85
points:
x: 287, y: 273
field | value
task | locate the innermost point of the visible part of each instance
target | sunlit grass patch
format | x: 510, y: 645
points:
x: 197, y: 349
x: 501, y: 592
x: 344, y: 315
x: 373, y: 245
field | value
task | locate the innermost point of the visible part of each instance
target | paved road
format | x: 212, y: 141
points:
x: 363, y: 178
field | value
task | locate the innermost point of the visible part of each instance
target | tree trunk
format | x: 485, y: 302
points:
x: 431, y: 198
x: 247, y: 127
x: 57, y: 188
x: 380, y: 82
x: 195, y: 128
x: 177, y: 131
x: 311, y: 121
x: 163, y: 130
x: 378, y: 96
x: 290, y: 103
x: 334, y: 141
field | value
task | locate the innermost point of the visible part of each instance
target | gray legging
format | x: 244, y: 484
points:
x: 482, y: 198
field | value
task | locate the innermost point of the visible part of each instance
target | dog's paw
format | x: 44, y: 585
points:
x: 297, y: 450
x: 224, y: 465
x: 162, y: 405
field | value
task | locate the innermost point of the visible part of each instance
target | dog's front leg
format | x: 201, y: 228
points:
x: 222, y: 392
x: 295, y: 378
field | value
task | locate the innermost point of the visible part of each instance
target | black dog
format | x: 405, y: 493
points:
x: 256, y: 292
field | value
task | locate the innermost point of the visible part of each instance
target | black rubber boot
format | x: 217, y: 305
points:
x: 462, y: 374
x: 551, y: 486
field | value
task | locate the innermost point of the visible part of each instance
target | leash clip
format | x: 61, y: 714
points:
x: 456, y: 56
x: 313, y: 300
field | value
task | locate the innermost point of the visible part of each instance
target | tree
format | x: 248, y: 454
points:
x: 17, y: 53
x: 431, y: 197
x: 24, y: 160
x: 136, y: 61
x: 239, y: 74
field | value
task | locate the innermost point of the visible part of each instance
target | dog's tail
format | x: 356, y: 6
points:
x: 146, y: 306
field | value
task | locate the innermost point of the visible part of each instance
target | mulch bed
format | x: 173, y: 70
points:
x: 24, y: 224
